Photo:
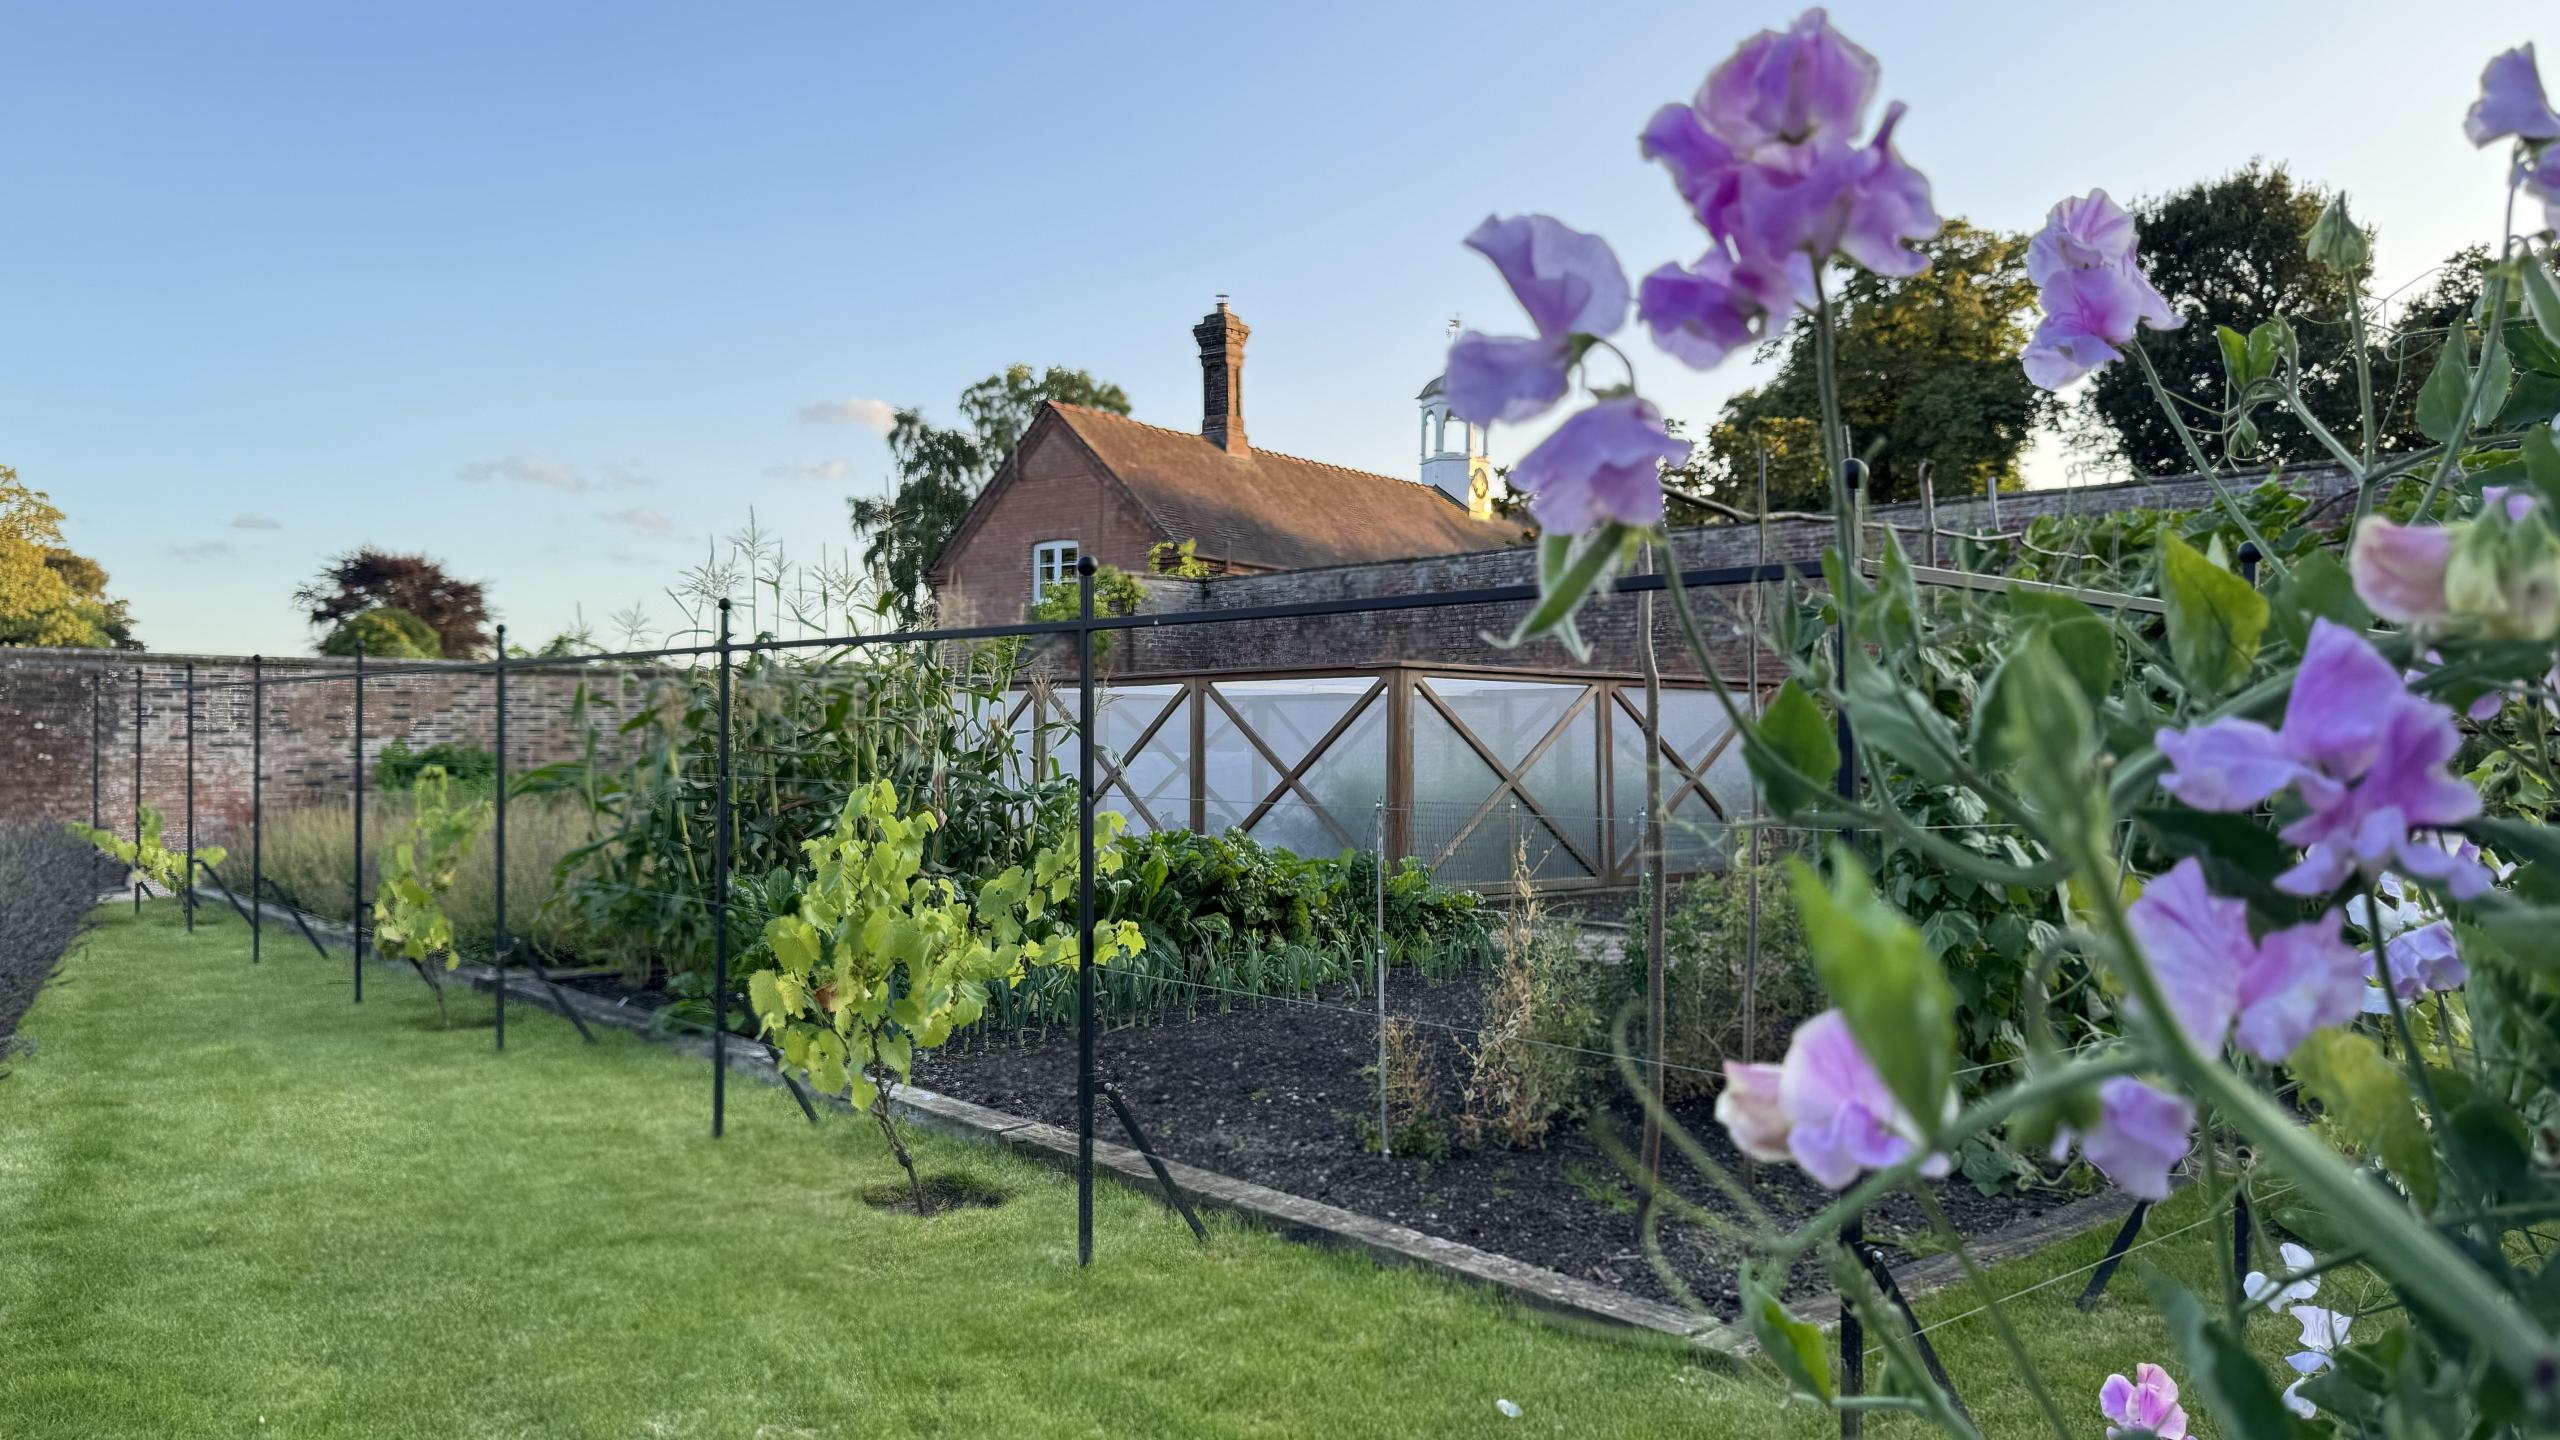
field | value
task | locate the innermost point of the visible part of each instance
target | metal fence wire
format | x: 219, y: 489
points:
x: 1538, y: 793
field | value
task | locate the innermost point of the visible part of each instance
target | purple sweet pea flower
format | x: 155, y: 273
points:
x: 1842, y: 1120
x: 1603, y: 464
x: 1767, y: 158
x: 2511, y: 103
x: 1707, y: 311
x: 2399, y: 570
x: 2367, y: 758
x: 2540, y: 176
x: 1569, y: 282
x: 2422, y: 961
x: 2215, y: 975
x: 1788, y: 86
x: 2085, y: 232
x: 1824, y: 1107
x: 2365, y: 828
x: 2142, y: 1132
x: 2145, y: 1404
x: 2092, y: 288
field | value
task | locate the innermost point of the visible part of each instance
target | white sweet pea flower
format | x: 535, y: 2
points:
x: 2262, y: 1289
x: 2323, y: 1331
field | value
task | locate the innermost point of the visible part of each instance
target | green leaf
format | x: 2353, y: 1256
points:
x: 1890, y: 989
x: 2045, y: 730
x: 793, y: 941
x: 2494, y: 382
x: 2440, y: 399
x: 2542, y: 463
x: 2317, y: 588
x: 1796, y: 1348
x: 2235, y: 357
x: 2542, y: 300
x: 2367, y: 1098
x: 1566, y: 575
x: 2215, y: 618
x: 2236, y: 1390
x: 2083, y: 640
x: 1892, y: 717
x: 1797, y: 729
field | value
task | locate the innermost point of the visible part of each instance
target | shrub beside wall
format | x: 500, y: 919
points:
x: 49, y: 882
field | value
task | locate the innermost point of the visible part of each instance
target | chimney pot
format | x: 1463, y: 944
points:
x: 1222, y: 334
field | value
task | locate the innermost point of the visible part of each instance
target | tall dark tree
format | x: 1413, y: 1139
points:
x: 942, y: 469
x: 2230, y: 252
x: 367, y: 578
x: 1928, y: 369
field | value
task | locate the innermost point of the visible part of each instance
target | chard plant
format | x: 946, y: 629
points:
x: 869, y: 961
x: 2326, y: 954
x: 145, y: 855
x: 418, y: 874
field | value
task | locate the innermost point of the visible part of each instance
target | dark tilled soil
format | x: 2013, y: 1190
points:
x: 1274, y: 1093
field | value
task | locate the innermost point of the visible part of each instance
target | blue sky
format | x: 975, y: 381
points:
x: 552, y: 292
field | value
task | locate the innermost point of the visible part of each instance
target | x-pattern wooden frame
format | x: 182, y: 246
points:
x: 1692, y: 778
x: 1508, y: 778
x: 1292, y: 776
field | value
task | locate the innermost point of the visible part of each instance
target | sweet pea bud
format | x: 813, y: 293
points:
x: 2337, y: 241
x: 2505, y: 570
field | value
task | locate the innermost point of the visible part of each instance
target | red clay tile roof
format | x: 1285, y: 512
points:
x: 1274, y: 511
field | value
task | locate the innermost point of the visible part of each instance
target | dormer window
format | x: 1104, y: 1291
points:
x: 1051, y: 562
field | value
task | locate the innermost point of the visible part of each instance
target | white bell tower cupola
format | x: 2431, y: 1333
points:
x: 1453, y: 453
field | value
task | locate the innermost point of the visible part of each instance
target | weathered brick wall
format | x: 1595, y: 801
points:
x: 67, y: 731
x: 1455, y: 635
x: 1062, y: 494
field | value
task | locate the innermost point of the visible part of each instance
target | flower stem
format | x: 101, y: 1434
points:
x: 2204, y: 467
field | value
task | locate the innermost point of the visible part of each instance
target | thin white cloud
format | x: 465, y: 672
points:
x: 628, y: 476
x: 527, y: 470
x: 810, y: 470
x: 203, y: 550
x: 871, y: 414
x: 255, y: 522
x: 639, y: 517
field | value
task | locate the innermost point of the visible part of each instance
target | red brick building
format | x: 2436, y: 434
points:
x: 1086, y: 482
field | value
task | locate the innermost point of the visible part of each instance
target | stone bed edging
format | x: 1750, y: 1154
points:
x: 1549, y: 1291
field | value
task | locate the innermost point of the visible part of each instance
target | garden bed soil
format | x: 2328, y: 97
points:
x: 1277, y: 1092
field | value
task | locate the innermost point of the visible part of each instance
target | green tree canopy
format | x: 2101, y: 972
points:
x: 455, y: 612
x: 1928, y: 374
x: 385, y: 633
x: 49, y: 593
x: 942, y: 469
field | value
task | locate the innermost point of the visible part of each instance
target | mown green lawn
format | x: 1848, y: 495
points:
x: 232, y: 1204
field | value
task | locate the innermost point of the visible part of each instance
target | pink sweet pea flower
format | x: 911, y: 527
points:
x: 2221, y: 982
x: 2146, y: 1404
x: 2399, y: 570
x: 2511, y: 104
x: 1751, y: 1112
x: 1603, y: 464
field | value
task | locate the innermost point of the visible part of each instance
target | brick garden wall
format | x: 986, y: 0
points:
x: 53, y: 701
x: 1455, y: 636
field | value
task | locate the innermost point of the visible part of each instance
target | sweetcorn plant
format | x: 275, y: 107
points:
x: 418, y: 874
x: 2325, y: 958
x: 874, y: 960
x: 149, y: 859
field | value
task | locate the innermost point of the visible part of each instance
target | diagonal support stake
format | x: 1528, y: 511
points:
x: 559, y: 999
x: 2116, y: 1251
x: 791, y: 1082
x: 298, y: 923
x: 1172, y: 1193
x: 1883, y: 1273
x: 216, y: 877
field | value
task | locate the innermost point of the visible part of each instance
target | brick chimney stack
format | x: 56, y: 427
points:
x: 1222, y: 335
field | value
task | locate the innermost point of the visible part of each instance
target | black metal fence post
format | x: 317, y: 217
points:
x: 1084, y: 911
x: 357, y: 749
x: 498, y: 842
x: 187, y: 894
x: 2249, y: 558
x: 720, y: 901
x: 137, y: 781
x: 257, y: 807
x: 1853, y: 1339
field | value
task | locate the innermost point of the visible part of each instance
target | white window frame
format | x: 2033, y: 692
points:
x: 1052, y: 561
